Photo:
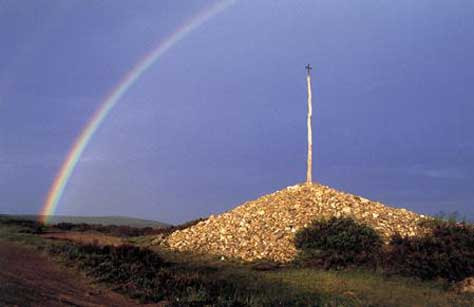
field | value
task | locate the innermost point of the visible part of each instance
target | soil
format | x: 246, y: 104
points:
x: 29, y: 278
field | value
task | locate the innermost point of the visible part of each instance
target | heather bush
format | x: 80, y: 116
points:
x: 131, y: 268
x: 448, y: 252
x: 144, y: 275
x: 27, y: 226
x: 124, y: 230
x: 338, y: 243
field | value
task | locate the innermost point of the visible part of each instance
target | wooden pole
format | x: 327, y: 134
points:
x: 309, y: 170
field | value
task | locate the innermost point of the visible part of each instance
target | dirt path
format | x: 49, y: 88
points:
x: 28, y: 278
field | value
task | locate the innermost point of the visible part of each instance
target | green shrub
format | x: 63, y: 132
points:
x: 144, y: 275
x: 448, y: 252
x: 338, y: 243
x: 27, y: 226
x: 123, y: 230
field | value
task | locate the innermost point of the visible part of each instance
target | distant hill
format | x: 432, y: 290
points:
x: 104, y: 220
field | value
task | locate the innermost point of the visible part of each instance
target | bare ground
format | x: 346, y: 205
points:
x: 28, y: 278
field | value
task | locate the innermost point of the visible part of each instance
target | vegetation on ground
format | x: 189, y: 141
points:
x: 185, y: 281
x: 338, y: 243
x: 93, y: 220
x: 445, y: 251
x: 124, y: 231
x: 144, y: 275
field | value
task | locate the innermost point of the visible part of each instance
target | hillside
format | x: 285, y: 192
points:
x: 103, y: 220
x: 265, y: 228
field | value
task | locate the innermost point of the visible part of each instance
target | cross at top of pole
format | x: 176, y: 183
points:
x: 308, y: 68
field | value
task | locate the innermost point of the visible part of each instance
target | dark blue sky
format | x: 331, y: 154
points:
x: 221, y: 118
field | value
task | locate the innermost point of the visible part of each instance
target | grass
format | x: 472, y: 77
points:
x: 20, y: 234
x: 187, y: 279
x: 143, y: 274
x: 369, y: 288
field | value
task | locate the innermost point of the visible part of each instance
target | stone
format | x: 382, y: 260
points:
x: 265, y: 228
x: 465, y: 286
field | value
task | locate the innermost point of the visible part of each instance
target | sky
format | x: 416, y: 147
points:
x: 220, y: 118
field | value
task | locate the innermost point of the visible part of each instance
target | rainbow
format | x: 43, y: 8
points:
x: 60, y: 182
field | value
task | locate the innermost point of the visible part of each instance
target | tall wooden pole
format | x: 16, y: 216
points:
x: 309, y: 170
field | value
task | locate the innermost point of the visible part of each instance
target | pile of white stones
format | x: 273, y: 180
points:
x: 265, y: 228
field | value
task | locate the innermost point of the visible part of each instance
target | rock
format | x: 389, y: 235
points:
x: 265, y: 228
x: 465, y: 286
x: 158, y: 239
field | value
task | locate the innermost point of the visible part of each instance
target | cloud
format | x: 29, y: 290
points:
x: 445, y: 173
x: 440, y: 173
x: 416, y: 170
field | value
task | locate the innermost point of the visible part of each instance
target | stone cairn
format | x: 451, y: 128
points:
x: 265, y: 228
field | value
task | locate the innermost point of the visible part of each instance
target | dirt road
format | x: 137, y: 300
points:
x: 28, y: 278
